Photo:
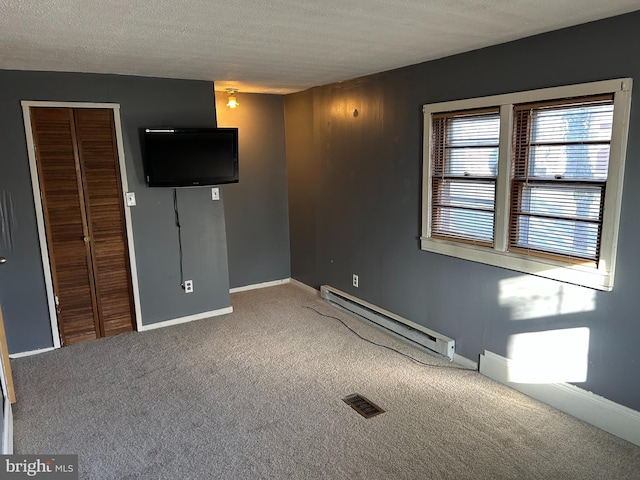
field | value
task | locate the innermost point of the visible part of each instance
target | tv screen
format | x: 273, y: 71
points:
x: 190, y: 157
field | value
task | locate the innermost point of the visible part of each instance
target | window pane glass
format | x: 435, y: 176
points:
x: 477, y: 195
x: 572, y: 162
x: 475, y: 162
x: 573, y: 202
x: 467, y: 224
x: 573, y: 123
x: 473, y: 130
x: 570, y: 141
x: 564, y: 237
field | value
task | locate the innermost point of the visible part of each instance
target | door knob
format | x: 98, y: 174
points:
x: 86, y: 239
x: 3, y: 260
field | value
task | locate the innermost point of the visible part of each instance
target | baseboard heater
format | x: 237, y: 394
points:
x: 406, y: 328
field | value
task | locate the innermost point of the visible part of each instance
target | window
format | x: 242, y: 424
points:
x: 560, y: 169
x: 530, y: 181
x: 464, y: 171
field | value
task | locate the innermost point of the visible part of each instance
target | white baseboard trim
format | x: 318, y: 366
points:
x: 31, y: 352
x: 190, y: 318
x: 7, y: 428
x: 273, y: 283
x: 594, y: 409
x: 304, y: 286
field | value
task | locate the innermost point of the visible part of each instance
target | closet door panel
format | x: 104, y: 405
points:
x: 69, y: 254
x: 104, y: 200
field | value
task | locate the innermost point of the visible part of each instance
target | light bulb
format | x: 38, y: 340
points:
x: 233, y: 102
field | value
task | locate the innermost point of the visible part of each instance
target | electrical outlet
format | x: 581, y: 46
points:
x: 215, y: 193
x: 188, y: 286
x: 355, y: 280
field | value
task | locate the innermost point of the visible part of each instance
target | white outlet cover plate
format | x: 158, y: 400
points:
x: 131, y: 199
x: 215, y: 193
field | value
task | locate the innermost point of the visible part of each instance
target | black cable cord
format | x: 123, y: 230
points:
x: 384, y: 346
x: 175, y: 209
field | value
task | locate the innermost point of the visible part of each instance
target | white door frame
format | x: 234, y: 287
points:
x: 37, y: 199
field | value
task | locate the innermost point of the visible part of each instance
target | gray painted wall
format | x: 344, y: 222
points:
x: 143, y: 102
x: 256, y: 208
x: 355, y: 201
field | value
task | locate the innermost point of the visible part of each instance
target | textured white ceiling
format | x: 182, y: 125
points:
x: 276, y: 46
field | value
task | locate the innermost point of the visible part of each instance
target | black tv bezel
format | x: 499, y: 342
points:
x: 196, y: 182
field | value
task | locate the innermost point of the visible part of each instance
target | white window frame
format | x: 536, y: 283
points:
x: 600, y: 276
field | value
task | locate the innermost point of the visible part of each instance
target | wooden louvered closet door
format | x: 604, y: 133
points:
x: 79, y: 176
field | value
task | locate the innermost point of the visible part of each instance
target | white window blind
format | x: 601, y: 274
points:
x: 560, y: 164
x: 464, y: 170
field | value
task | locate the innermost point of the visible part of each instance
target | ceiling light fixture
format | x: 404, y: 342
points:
x: 233, y: 101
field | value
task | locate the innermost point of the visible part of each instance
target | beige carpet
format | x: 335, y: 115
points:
x: 257, y: 395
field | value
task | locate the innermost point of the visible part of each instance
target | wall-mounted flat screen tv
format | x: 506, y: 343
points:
x: 190, y: 157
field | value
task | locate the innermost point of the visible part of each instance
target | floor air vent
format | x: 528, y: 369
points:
x: 412, y: 331
x: 364, y: 407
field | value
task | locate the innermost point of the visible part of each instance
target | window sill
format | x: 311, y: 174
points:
x: 583, y: 275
